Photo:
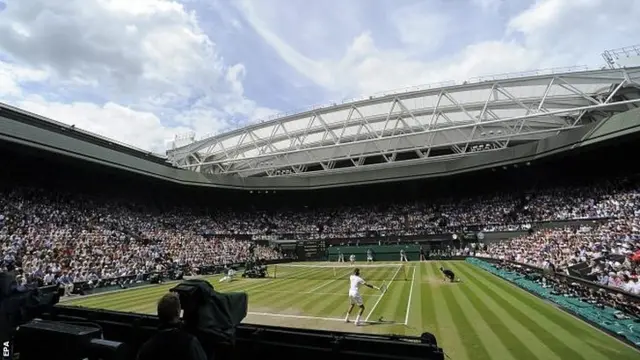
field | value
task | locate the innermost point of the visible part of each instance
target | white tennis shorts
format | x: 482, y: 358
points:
x: 355, y: 299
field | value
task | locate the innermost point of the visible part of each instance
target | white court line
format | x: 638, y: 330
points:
x: 305, y: 317
x: 318, y: 288
x: 381, y: 296
x: 295, y: 316
x: 318, y: 293
x: 413, y: 278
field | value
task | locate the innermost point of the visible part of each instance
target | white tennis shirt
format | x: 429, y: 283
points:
x: 356, y: 281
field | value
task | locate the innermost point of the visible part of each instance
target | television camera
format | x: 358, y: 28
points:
x: 211, y: 316
x: 255, y: 269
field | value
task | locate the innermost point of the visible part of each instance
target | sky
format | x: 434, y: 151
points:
x: 143, y: 71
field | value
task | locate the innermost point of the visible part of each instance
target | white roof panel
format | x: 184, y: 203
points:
x: 430, y: 118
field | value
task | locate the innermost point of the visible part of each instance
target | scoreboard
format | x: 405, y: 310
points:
x: 312, y: 249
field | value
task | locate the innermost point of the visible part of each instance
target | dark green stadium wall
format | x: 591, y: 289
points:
x: 380, y: 252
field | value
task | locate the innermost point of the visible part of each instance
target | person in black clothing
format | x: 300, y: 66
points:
x: 171, y: 342
x: 448, y: 274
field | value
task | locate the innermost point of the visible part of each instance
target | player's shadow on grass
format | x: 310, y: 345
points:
x: 380, y: 321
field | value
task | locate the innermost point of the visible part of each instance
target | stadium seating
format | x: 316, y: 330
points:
x: 600, y: 311
x: 69, y: 237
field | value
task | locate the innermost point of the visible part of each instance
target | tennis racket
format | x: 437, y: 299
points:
x: 383, y: 288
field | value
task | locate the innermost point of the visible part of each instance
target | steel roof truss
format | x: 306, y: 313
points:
x: 346, y: 122
x: 565, y: 81
x: 447, y: 117
x: 545, y: 94
x: 435, y: 113
x: 327, y: 129
x: 615, y: 91
x: 567, y: 86
x: 358, y: 160
x: 455, y: 147
x: 364, y: 124
x: 496, y: 122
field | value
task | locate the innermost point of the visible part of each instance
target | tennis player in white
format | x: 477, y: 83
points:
x: 354, y: 294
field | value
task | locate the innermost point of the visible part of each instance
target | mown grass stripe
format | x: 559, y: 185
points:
x: 531, y: 319
x: 392, y: 303
x: 395, y: 288
x: 490, y: 330
x: 335, y: 306
x: 127, y: 300
x: 520, y: 340
x: 425, y: 306
x: 113, y: 303
x: 68, y: 300
x: 303, y: 272
x: 470, y: 338
x: 275, y: 302
x: 126, y: 295
x: 318, y: 297
x: 566, y: 344
x: 480, y: 303
x: 449, y: 333
x: 589, y: 336
x: 119, y: 299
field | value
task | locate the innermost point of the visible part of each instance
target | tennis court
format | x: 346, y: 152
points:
x: 483, y: 317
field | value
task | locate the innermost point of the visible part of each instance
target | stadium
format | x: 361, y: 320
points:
x: 523, y: 185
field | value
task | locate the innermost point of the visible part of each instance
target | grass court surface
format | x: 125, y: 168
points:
x: 483, y: 317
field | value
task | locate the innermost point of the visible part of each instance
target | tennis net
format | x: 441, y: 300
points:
x: 386, y: 272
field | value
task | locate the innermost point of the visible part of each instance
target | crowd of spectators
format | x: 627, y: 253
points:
x: 78, y: 238
x: 494, y: 212
x: 65, y: 239
x: 606, y: 250
x: 625, y: 306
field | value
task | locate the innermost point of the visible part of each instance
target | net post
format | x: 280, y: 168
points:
x: 275, y: 270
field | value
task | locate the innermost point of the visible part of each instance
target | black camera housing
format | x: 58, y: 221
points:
x: 211, y: 316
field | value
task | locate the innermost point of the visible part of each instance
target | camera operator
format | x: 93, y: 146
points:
x: 171, y: 342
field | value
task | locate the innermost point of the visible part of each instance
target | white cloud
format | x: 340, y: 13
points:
x: 421, y: 27
x: 488, y: 5
x: 110, y: 120
x: 315, y: 70
x: 548, y: 33
x: 379, y: 70
x: 147, y: 62
x: 144, y: 70
x: 366, y: 68
x: 12, y: 76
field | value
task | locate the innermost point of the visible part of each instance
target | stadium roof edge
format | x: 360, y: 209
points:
x: 39, y: 121
x: 618, y: 125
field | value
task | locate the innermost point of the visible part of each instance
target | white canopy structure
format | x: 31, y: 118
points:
x: 416, y: 125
